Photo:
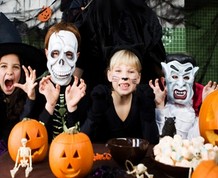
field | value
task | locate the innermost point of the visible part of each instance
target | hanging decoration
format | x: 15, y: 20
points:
x: 45, y: 14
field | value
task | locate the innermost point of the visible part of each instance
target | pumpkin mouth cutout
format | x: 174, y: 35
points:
x: 70, y: 172
x: 212, y: 136
x: 37, y: 151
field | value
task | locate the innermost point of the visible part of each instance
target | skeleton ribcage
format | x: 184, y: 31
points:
x: 60, y: 116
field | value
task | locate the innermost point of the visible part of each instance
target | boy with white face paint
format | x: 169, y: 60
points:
x: 58, y: 88
x: 181, y: 92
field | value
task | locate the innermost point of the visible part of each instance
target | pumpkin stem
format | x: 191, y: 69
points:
x: 26, y: 119
x: 72, y: 130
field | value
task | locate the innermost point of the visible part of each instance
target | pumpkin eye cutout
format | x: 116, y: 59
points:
x: 76, y: 155
x: 38, y: 134
x: 63, y: 155
x: 27, y: 137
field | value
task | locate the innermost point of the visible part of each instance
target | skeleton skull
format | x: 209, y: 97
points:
x: 62, y: 56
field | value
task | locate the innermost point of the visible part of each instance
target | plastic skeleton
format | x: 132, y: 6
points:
x: 139, y: 171
x: 23, y: 159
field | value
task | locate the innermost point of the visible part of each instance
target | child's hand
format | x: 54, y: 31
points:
x: 160, y: 95
x: 29, y: 86
x: 209, y: 88
x: 74, y: 93
x: 51, y: 93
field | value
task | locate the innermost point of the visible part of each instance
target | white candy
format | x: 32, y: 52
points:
x: 182, y: 152
x: 187, y: 154
x: 186, y: 143
x: 166, y: 160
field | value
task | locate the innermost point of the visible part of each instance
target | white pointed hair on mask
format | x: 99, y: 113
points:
x: 62, y: 56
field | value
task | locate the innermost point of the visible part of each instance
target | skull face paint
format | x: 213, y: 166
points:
x: 62, y: 56
x: 179, y: 81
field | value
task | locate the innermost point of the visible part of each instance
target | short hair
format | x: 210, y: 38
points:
x: 181, y: 58
x: 125, y: 57
x: 62, y: 26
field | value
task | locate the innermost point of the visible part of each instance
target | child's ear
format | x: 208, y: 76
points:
x: 109, y: 77
x: 139, y: 78
x: 46, y: 52
x: 78, y: 54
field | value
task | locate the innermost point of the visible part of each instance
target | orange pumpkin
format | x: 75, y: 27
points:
x: 208, y: 118
x: 206, y: 168
x: 71, y: 155
x: 36, y: 135
x: 45, y: 14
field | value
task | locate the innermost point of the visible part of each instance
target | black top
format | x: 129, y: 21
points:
x: 11, y: 107
x: 103, y: 122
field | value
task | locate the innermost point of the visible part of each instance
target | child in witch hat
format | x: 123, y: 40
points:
x: 15, y: 83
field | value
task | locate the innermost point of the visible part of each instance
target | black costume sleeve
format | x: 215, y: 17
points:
x: 100, y: 97
x: 27, y: 109
x: 147, y: 104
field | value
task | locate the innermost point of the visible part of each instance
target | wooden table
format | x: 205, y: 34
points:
x: 42, y: 169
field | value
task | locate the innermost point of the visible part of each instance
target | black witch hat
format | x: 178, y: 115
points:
x: 11, y: 43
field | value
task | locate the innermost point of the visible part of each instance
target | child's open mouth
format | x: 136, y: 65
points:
x: 9, y: 84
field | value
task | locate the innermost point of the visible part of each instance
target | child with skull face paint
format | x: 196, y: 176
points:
x: 181, y: 97
x: 126, y: 109
x: 58, y: 89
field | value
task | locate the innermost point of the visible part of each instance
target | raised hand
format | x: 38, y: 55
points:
x: 51, y: 93
x: 74, y: 93
x: 30, y: 84
x: 209, y: 88
x: 160, y: 95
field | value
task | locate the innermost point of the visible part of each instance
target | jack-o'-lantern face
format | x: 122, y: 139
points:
x: 208, y: 116
x: 45, y: 14
x: 71, y: 155
x: 36, y: 135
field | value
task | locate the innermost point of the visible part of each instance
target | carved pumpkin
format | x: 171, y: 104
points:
x: 206, y: 168
x: 71, y: 155
x: 36, y: 135
x: 208, y: 118
x: 45, y: 14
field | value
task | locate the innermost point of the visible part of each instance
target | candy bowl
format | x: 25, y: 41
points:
x: 178, y: 157
x: 173, y: 171
x: 132, y: 149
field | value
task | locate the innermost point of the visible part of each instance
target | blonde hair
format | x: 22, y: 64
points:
x: 125, y: 57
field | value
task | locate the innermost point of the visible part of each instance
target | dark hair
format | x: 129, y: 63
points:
x: 15, y: 101
x: 181, y: 58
